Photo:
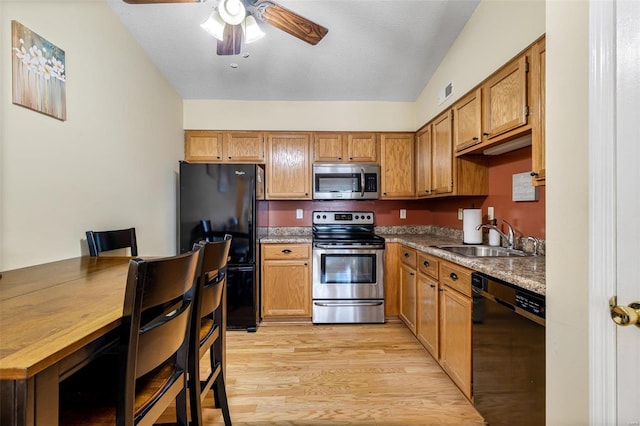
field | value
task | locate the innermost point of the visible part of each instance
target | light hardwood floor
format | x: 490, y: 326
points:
x: 337, y: 375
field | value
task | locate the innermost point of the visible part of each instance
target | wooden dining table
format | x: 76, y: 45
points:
x: 54, y: 318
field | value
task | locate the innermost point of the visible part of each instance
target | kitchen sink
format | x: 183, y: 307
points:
x: 483, y: 251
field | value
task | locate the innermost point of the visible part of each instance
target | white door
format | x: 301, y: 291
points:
x: 628, y: 156
x: 615, y: 208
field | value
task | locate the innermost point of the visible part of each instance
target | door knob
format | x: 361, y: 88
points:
x: 624, y: 315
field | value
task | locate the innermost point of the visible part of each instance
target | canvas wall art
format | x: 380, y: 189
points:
x: 39, y: 74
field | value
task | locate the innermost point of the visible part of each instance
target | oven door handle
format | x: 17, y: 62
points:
x: 334, y: 304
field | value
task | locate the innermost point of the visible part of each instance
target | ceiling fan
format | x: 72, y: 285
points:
x: 234, y: 21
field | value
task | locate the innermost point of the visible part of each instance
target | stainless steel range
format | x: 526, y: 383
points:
x: 348, y: 268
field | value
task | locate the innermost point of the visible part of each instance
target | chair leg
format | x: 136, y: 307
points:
x: 181, y: 407
x: 221, y: 396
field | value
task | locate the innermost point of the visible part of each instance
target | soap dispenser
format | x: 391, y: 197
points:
x: 494, y: 237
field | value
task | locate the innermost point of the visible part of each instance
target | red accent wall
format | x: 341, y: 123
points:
x: 527, y: 218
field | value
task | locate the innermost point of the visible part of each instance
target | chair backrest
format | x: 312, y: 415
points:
x: 154, y: 346
x: 212, y: 280
x: 100, y: 241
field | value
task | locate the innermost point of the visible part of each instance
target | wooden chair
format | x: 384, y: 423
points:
x: 100, y: 241
x: 149, y: 370
x: 208, y: 329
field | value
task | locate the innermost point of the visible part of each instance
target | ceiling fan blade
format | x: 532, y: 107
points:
x: 232, y: 40
x: 290, y: 22
x: 161, y: 1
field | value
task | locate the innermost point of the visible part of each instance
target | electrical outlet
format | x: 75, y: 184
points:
x: 299, y: 214
x: 460, y: 214
x: 403, y: 213
x: 490, y: 213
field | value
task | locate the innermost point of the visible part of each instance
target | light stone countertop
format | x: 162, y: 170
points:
x: 526, y: 272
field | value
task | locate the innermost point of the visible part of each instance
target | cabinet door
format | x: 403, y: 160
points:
x: 408, y: 296
x: 202, y: 146
x: 286, y: 288
x: 455, y: 337
x: 538, y: 168
x: 328, y: 147
x: 442, y: 155
x: 244, y: 147
x: 505, y: 99
x: 397, y: 166
x: 427, y: 314
x: 423, y: 162
x: 362, y: 147
x: 288, y: 168
x: 467, y: 121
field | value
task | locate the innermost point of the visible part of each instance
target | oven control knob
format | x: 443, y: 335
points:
x: 317, y: 216
x: 357, y: 217
x: 324, y: 216
x: 368, y: 216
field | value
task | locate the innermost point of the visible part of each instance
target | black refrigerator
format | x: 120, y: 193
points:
x: 216, y: 200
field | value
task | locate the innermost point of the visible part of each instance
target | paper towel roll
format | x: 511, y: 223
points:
x: 471, y: 218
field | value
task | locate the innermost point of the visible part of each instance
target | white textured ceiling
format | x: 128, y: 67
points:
x: 376, y: 50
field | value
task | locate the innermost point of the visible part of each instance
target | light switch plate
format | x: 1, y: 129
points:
x: 299, y: 213
x: 403, y: 213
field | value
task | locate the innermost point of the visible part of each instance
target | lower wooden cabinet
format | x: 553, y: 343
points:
x: 435, y: 304
x: 427, y: 321
x: 408, y: 287
x: 455, y: 324
x: 286, y: 281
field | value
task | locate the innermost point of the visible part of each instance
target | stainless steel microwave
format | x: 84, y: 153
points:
x: 346, y: 181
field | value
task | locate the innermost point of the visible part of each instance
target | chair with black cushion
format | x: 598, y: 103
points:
x: 208, y: 331
x: 100, y: 241
x: 148, y: 371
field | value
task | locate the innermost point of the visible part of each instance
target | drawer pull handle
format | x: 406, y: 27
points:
x: 453, y: 276
x: 406, y: 255
x: 426, y: 263
x: 432, y: 285
x: 411, y: 273
x: 286, y: 251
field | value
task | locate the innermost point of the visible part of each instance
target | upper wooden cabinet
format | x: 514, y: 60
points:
x: 438, y: 172
x: 289, y: 168
x: 467, y: 121
x: 538, y: 142
x: 505, y: 99
x: 397, y: 165
x: 206, y: 146
x: 423, y: 162
x: 345, y: 147
x: 442, y: 155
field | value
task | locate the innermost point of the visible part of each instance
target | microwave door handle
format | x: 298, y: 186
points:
x: 362, y: 183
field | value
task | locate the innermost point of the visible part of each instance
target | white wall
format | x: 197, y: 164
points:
x: 111, y: 165
x: 273, y: 115
x: 497, y: 31
x: 567, y: 136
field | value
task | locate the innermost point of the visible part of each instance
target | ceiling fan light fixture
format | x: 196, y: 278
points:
x: 252, y: 31
x: 232, y: 11
x: 214, y: 25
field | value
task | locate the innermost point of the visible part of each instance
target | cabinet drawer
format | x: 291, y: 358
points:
x: 456, y: 277
x: 428, y: 265
x: 286, y: 251
x: 408, y: 256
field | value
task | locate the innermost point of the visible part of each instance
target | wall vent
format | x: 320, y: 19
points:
x: 445, y: 93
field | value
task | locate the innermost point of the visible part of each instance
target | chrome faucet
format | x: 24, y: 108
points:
x: 509, y: 237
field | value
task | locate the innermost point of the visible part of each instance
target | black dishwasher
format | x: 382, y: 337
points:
x: 508, y: 352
